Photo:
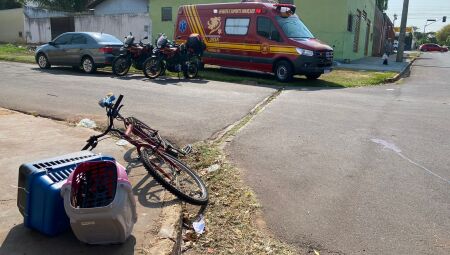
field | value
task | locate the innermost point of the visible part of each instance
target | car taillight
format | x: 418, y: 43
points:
x: 106, y: 50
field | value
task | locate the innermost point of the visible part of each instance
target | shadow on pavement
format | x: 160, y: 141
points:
x: 253, y: 78
x: 246, y: 78
x: 60, y: 70
x: 147, y: 190
x: 163, y: 80
x: 21, y: 240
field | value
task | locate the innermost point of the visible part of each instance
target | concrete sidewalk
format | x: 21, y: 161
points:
x: 376, y: 64
x: 24, y: 138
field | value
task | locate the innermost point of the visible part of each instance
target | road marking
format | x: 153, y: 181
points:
x: 390, y: 89
x: 394, y: 148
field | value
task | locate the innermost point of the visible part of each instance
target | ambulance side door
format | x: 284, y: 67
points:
x: 233, y: 47
x: 268, y: 36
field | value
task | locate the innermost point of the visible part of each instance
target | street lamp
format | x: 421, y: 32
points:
x: 427, y: 24
x: 395, y: 18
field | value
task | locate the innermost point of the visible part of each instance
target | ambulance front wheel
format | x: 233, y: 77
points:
x: 283, y: 71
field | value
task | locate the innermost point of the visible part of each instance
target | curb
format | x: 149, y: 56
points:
x: 168, y: 240
x: 404, y: 73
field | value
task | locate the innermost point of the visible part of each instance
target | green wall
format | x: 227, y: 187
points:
x: 167, y: 27
x: 328, y: 22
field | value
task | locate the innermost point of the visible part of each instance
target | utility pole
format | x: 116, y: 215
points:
x: 401, y: 40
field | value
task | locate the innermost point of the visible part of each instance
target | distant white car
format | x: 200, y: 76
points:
x: 395, y: 45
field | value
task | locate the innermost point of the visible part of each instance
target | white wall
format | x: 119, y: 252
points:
x: 121, y: 6
x: 37, y: 30
x: 118, y: 25
x: 37, y: 24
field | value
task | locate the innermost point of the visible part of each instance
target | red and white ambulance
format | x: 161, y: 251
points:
x: 258, y: 35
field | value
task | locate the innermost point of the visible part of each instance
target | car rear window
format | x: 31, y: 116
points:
x: 106, y: 38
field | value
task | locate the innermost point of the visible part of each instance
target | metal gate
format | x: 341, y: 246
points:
x: 61, y: 25
x: 366, y: 48
x: 357, y: 30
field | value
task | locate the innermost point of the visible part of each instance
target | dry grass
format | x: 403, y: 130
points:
x: 231, y: 213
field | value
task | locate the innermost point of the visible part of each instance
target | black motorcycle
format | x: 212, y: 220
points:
x: 185, y: 57
x: 131, y: 54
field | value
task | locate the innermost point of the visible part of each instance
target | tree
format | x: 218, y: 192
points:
x: 382, y: 4
x: 61, y: 5
x: 9, y: 4
x: 443, y: 35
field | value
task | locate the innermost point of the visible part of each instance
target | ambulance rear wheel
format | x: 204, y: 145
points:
x: 283, y: 71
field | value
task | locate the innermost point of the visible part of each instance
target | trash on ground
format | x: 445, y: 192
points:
x: 199, y: 226
x: 122, y: 142
x: 87, y: 123
x: 213, y: 168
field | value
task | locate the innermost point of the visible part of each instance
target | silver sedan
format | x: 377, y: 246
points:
x: 85, y: 50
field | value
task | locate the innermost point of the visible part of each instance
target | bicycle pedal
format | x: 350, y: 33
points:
x: 187, y: 149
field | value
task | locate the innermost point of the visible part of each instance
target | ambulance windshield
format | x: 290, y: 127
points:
x: 294, y: 28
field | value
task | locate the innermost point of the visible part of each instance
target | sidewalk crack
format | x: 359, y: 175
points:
x: 228, y: 133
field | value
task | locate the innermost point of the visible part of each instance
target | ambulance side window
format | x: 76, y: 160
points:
x: 267, y: 29
x: 237, y: 26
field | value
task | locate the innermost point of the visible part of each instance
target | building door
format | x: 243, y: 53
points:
x: 366, y: 48
x: 61, y: 25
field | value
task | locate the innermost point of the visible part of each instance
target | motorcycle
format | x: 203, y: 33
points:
x: 132, y: 54
x: 185, y: 57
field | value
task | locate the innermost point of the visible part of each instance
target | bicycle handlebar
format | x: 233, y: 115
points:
x: 117, y: 105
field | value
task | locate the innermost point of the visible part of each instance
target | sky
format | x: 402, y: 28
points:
x: 420, y: 11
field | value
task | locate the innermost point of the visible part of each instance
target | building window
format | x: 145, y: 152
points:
x: 166, y: 14
x: 237, y: 26
x: 265, y: 28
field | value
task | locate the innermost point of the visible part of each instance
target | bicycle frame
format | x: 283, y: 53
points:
x: 147, y: 142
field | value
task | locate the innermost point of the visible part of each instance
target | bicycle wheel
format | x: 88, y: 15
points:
x: 175, y: 176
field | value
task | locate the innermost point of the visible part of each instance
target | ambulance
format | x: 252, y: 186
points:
x: 260, y: 36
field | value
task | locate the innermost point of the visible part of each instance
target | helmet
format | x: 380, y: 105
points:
x: 162, y: 41
x: 129, y: 40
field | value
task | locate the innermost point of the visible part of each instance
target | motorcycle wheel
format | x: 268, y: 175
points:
x: 191, y: 70
x: 120, y: 66
x: 153, y: 68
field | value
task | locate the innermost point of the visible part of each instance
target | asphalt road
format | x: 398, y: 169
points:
x: 185, y: 111
x: 356, y: 171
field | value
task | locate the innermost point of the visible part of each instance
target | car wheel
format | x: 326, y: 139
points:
x: 283, y: 71
x: 313, y: 76
x: 88, y: 65
x: 42, y: 61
